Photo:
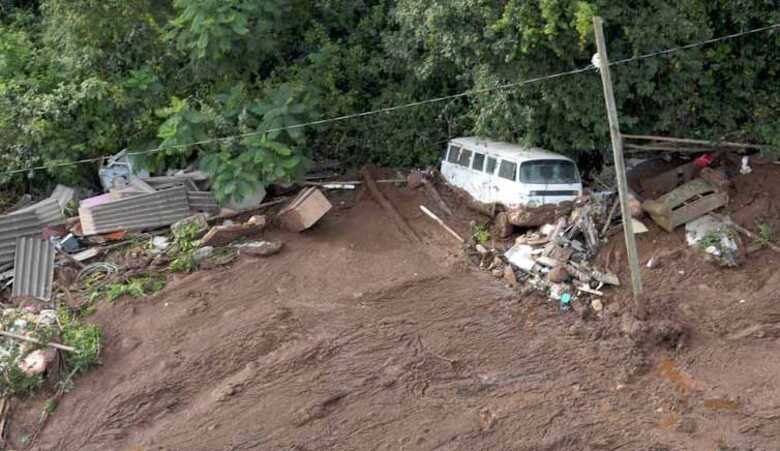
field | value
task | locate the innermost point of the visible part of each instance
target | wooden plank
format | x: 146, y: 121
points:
x: 405, y: 228
x: 698, y: 208
x: 700, y: 142
x: 617, y: 152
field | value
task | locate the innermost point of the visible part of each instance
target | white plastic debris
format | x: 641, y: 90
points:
x: 520, y: 256
x: 701, y: 227
x: 745, y: 169
x: 160, y: 243
x: 596, y: 61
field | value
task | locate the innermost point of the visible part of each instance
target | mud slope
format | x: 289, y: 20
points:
x: 353, y: 338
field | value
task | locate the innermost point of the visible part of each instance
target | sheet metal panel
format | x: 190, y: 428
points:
x: 28, y: 221
x: 202, y: 201
x: 143, y: 212
x: 33, y: 268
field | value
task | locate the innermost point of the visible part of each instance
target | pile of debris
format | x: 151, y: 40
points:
x: 555, y: 259
x: 22, y: 333
x: 38, y: 238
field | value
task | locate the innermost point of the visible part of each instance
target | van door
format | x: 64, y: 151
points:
x: 480, y: 181
x: 491, y: 166
x: 509, y: 190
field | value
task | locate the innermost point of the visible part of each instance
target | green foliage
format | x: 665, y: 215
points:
x: 84, y: 337
x: 87, y: 78
x: 766, y: 233
x: 135, y: 287
x: 480, y: 233
x: 16, y: 382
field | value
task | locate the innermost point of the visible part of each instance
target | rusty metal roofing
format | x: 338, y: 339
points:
x: 28, y: 221
x: 202, y: 201
x: 33, y: 268
x: 142, y: 212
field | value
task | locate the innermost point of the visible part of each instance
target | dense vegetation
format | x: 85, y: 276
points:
x: 87, y: 78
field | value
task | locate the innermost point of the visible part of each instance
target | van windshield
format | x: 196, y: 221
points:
x: 549, y: 172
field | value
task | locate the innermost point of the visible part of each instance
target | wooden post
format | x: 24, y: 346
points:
x: 617, y: 150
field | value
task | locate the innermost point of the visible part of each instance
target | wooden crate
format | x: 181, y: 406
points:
x: 305, y: 210
x: 685, y: 203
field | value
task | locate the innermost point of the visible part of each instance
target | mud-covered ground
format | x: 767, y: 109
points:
x: 355, y: 338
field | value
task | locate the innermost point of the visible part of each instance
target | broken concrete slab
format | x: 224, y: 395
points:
x: 305, y: 210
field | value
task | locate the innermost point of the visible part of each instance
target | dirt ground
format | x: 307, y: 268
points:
x: 356, y: 338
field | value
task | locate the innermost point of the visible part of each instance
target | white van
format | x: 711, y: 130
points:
x: 509, y: 174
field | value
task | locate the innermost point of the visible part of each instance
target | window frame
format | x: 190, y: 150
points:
x: 490, y: 159
x: 460, y: 162
x: 509, y: 162
x: 456, y: 150
x: 481, y: 167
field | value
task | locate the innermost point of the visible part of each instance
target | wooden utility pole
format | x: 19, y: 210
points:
x: 617, y: 151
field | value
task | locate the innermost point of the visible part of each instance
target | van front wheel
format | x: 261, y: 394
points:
x: 502, y: 228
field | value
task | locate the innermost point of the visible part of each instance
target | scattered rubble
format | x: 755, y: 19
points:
x: 555, y: 257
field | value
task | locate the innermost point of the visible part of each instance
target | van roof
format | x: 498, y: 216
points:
x: 507, y: 150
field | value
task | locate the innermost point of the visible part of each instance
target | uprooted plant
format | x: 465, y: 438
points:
x: 24, y: 364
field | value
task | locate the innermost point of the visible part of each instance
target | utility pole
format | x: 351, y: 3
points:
x: 617, y: 151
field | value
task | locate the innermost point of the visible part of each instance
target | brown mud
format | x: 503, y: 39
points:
x: 354, y: 338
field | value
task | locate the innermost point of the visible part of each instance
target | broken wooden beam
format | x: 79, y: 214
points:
x: 401, y: 223
x: 700, y: 142
x: 441, y: 223
x: 36, y: 341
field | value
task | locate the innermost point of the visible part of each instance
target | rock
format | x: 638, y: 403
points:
x: 497, y: 273
x: 597, y: 305
x: 260, y: 248
x: 202, y: 253
x: 195, y: 224
x: 509, y: 276
x: 558, y: 274
x: 225, y: 234
x: 258, y: 221
x: 481, y: 249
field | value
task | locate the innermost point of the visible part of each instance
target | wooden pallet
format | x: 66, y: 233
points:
x: 685, y: 203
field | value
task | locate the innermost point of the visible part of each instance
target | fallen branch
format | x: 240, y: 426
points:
x: 34, y: 340
x: 389, y: 207
x: 441, y: 223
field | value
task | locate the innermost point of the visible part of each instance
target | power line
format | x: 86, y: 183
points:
x: 407, y: 105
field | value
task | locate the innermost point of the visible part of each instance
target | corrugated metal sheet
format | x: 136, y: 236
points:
x: 202, y: 201
x: 28, y: 221
x: 162, y: 182
x: 144, y: 212
x: 33, y: 268
x: 64, y: 195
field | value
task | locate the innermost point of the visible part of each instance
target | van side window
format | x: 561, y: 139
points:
x: 453, y: 156
x: 465, y: 158
x: 508, y: 170
x: 479, y: 162
x: 491, y: 165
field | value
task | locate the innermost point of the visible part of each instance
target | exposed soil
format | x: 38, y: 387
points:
x: 353, y: 337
